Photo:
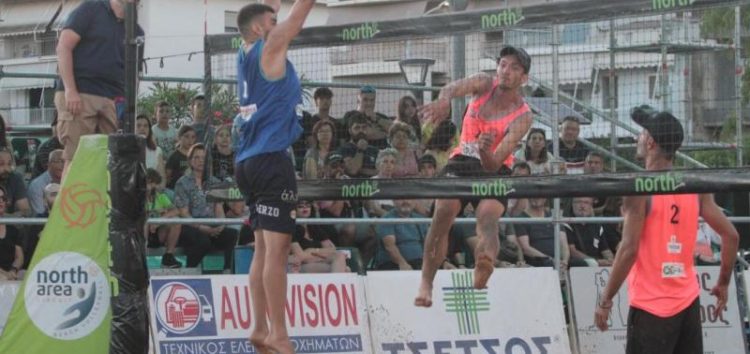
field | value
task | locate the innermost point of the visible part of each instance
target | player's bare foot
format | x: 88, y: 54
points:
x: 482, y: 271
x: 424, y: 297
x: 279, y: 345
x: 257, y: 339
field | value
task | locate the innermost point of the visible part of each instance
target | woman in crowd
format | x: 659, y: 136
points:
x: 190, y: 199
x: 324, y: 136
x: 407, y: 113
x: 312, y: 246
x: 535, y: 153
x: 222, y: 155
x: 407, y: 164
x: 154, y: 154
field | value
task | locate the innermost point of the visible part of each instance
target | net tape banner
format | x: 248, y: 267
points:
x: 610, y: 184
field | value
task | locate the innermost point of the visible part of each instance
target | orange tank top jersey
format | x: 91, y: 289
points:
x: 474, y: 124
x: 662, y: 280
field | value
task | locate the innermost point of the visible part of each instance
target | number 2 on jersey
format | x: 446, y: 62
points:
x: 675, y: 214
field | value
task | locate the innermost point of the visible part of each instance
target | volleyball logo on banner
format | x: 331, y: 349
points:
x: 67, y: 295
x: 78, y: 204
x: 184, y: 308
x: 466, y: 302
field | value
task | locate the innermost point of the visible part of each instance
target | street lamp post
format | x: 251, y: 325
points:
x: 415, y: 72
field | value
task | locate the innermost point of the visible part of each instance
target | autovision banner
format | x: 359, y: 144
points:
x: 519, y: 312
x: 721, y: 334
x: 63, y: 305
x: 213, y: 315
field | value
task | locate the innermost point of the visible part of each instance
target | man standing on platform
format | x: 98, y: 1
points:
x: 91, y: 62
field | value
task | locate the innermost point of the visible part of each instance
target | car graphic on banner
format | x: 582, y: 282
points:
x: 183, y: 308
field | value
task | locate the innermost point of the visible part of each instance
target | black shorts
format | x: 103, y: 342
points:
x: 269, y: 185
x: 465, y: 166
x: 650, y: 334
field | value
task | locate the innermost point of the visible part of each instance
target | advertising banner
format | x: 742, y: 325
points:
x: 64, y: 301
x: 213, y: 314
x: 519, y: 312
x: 721, y: 334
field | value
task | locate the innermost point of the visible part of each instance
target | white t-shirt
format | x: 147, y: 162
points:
x: 153, y: 157
x: 166, y: 140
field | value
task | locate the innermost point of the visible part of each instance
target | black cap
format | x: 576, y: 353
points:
x: 520, y: 54
x: 663, y: 127
x: 427, y: 158
x: 334, y: 157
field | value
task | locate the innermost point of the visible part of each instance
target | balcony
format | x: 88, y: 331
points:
x: 18, y: 117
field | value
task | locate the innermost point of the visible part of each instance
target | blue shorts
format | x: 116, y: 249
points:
x: 269, y: 185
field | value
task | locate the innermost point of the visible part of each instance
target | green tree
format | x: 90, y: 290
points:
x: 178, y: 97
x: 718, y: 24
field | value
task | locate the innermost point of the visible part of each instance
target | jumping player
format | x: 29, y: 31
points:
x: 269, y: 92
x: 495, y: 122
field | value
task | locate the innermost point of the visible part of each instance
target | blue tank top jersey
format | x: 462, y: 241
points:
x: 268, y: 108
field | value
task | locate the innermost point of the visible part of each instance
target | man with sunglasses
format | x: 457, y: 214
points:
x: 495, y: 122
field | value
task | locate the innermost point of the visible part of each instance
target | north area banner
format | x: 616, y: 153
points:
x: 721, y: 334
x: 325, y: 313
x: 64, y: 301
x: 519, y: 312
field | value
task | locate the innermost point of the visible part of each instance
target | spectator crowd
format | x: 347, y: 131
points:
x: 186, y: 156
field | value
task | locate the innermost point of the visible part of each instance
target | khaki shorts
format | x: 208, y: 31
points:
x: 98, y: 116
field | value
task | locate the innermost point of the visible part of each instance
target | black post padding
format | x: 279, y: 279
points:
x: 131, y: 67
x: 128, y: 258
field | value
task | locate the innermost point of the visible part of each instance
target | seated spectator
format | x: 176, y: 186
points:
x: 359, y: 155
x: 50, y: 194
x: 517, y: 206
x: 350, y: 235
x: 42, y: 153
x: 427, y: 169
x: 407, y: 113
x: 595, y: 164
x: 571, y: 150
x: 237, y: 209
x: 535, y: 153
x: 222, y: 154
x: 400, y: 246
x: 587, y: 240
x: 324, y: 142
x: 441, y: 142
x: 33, y: 231
x: 323, y: 97
x: 538, y: 240
x: 312, y: 246
x: 11, y: 252
x: 165, y: 135
x: 377, y: 124
x: 154, y: 155
x: 190, y: 199
x: 52, y: 175
x: 613, y: 232
x: 158, y: 205
x: 399, y: 137
x: 14, y: 186
x: 178, y: 162
x: 386, y: 166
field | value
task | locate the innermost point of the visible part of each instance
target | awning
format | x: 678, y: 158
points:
x: 21, y: 30
x: 10, y: 83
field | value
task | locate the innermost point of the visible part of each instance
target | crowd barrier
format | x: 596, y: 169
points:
x: 520, y: 312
